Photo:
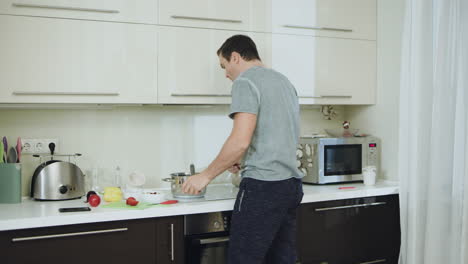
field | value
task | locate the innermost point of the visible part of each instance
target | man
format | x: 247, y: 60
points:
x: 265, y: 134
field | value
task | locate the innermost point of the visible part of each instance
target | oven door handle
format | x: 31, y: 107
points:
x: 213, y: 240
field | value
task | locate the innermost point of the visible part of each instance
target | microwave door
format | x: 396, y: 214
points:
x: 341, y: 162
x: 343, y: 159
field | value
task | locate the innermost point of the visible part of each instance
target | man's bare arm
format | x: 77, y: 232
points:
x: 232, y: 151
x: 235, y: 146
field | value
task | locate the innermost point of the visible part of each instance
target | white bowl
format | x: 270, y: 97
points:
x: 153, y: 197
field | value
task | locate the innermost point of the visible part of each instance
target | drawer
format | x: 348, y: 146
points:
x: 350, y: 231
x: 117, y: 242
x: 145, y: 11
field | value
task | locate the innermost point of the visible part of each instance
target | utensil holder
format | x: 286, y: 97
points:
x: 10, y: 183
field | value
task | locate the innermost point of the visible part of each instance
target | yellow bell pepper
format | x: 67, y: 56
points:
x: 112, y: 194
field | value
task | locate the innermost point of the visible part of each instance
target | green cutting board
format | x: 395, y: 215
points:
x: 123, y: 205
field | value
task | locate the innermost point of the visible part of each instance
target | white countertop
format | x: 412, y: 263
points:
x: 31, y: 214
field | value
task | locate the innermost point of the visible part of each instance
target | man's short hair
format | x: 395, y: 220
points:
x: 241, y: 44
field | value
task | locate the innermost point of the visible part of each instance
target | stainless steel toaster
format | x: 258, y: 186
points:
x: 57, y: 180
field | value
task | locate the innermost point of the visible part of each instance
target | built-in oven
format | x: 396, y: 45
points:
x: 207, y: 237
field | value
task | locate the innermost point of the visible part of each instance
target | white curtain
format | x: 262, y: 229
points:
x: 433, y: 141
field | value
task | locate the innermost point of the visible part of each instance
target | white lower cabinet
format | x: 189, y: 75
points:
x: 45, y: 60
x: 189, y: 69
x: 327, y: 70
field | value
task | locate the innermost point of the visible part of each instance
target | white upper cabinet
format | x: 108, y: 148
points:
x: 189, y: 69
x: 356, y: 19
x: 45, y: 60
x: 73, y: 51
x: 327, y: 70
x: 346, y: 72
x: 141, y: 11
x: 221, y: 14
x: 296, y: 58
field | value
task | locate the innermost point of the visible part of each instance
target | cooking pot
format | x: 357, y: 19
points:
x: 176, y: 180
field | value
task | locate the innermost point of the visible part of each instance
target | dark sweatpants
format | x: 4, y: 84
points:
x: 263, y: 224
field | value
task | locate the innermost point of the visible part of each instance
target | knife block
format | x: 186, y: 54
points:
x: 10, y: 183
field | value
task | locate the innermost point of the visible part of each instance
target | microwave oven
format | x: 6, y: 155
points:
x: 336, y: 160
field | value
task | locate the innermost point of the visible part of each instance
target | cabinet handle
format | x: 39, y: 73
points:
x: 338, y: 96
x: 208, y: 19
x: 348, y: 206
x: 67, y: 8
x: 319, y: 28
x: 374, y: 261
x: 65, y: 93
x: 310, y: 96
x: 326, y: 96
x: 18, y: 239
x: 208, y: 241
x: 172, y: 242
x: 188, y: 94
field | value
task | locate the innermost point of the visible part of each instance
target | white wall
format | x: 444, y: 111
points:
x: 382, y: 119
x: 155, y: 140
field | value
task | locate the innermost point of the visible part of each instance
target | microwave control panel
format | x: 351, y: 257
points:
x: 372, y: 157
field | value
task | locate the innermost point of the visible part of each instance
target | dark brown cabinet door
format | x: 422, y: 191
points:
x: 170, y: 240
x: 142, y: 241
x: 362, y: 230
x: 110, y: 242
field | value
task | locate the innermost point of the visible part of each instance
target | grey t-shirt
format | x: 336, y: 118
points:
x: 271, y: 155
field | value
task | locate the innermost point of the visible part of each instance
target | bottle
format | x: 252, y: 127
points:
x: 117, y: 178
x: 95, y: 181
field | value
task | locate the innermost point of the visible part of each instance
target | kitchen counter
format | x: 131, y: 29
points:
x: 31, y: 214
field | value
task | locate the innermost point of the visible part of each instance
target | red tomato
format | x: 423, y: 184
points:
x: 94, y: 200
x: 132, y: 201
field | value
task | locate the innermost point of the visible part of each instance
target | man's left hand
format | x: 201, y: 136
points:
x: 195, y: 183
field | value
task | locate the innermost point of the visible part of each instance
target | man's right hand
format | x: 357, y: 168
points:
x: 235, y: 168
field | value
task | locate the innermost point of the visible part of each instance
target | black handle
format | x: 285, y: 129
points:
x: 52, y: 149
x: 192, y: 169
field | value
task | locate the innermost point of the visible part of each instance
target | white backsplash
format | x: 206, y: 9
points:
x: 154, y: 140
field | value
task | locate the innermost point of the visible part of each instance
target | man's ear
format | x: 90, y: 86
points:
x: 235, y: 57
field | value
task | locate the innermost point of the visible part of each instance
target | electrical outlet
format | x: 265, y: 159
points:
x: 38, y: 146
x: 42, y: 145
x: 27, y: 146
